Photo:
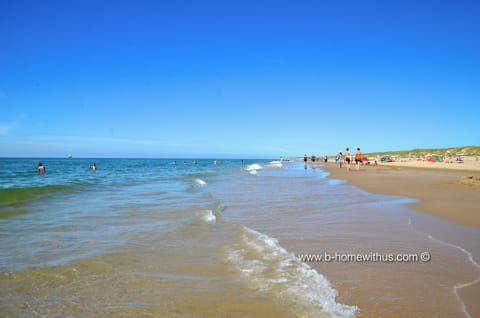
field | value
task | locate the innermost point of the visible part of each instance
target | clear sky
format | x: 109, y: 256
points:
x: 236, y: 78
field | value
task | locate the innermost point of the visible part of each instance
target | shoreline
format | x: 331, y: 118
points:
x: 451, y: 194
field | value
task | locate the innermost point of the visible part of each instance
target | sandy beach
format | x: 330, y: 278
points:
x: 142, y: 237
x: 449, y: 191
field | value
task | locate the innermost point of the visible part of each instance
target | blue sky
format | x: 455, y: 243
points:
x: 236, y: 78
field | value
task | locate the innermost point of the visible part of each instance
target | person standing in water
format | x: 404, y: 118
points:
x: 93, y: 166
x: 41, y: 168
x: 305, y: 159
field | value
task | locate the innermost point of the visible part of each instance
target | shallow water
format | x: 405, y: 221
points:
x: 148, y: 238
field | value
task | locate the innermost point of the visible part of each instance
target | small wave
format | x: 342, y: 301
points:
x: 254, y: 166
x: 200, y: 182
x: 273, y: 270
x: 18, y: 195
x: 275, y: 164
x: 208, y: 216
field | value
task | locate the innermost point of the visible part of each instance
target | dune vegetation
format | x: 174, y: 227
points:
x: 420, y: 152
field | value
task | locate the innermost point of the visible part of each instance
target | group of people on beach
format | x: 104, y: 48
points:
x: 340, y: 159
x: 314, y: 160
x: 347, y: 158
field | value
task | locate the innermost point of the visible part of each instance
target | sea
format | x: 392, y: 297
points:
x: 220, y: 238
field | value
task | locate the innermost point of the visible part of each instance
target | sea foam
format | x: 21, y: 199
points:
x: 270, y: 268
x: 275, y: 164
x: 208, y: 216
x: 253, y: 168
x: 200, y: 182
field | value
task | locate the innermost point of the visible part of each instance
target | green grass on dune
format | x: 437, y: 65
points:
x: 446, y: 152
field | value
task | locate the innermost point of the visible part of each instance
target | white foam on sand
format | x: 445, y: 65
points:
x: 272, y: 270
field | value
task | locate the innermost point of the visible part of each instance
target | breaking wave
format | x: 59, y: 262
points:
x: 271, y: 269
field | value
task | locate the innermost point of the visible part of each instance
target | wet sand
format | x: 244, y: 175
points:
x: 451, y: 194
x: 447, y: 191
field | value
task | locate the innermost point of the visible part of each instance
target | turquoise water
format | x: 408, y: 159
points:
x: 71, y: 205
x: 149, y: 238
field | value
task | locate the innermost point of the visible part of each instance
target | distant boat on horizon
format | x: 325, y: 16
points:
x: 69, y: 156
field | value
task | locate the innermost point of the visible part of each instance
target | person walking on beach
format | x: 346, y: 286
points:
x: 313, y: 159
x: 305, y: 159
x: 358, y: 159
x: 41, y: 168
x: 340, y: 159
x: 348, y: 157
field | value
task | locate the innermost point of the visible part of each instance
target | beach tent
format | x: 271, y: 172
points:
x: 386, y: 159
x: 364, y: 159
x: 433, y: 158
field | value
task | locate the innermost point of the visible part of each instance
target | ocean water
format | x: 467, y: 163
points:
x: 149, y: 238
